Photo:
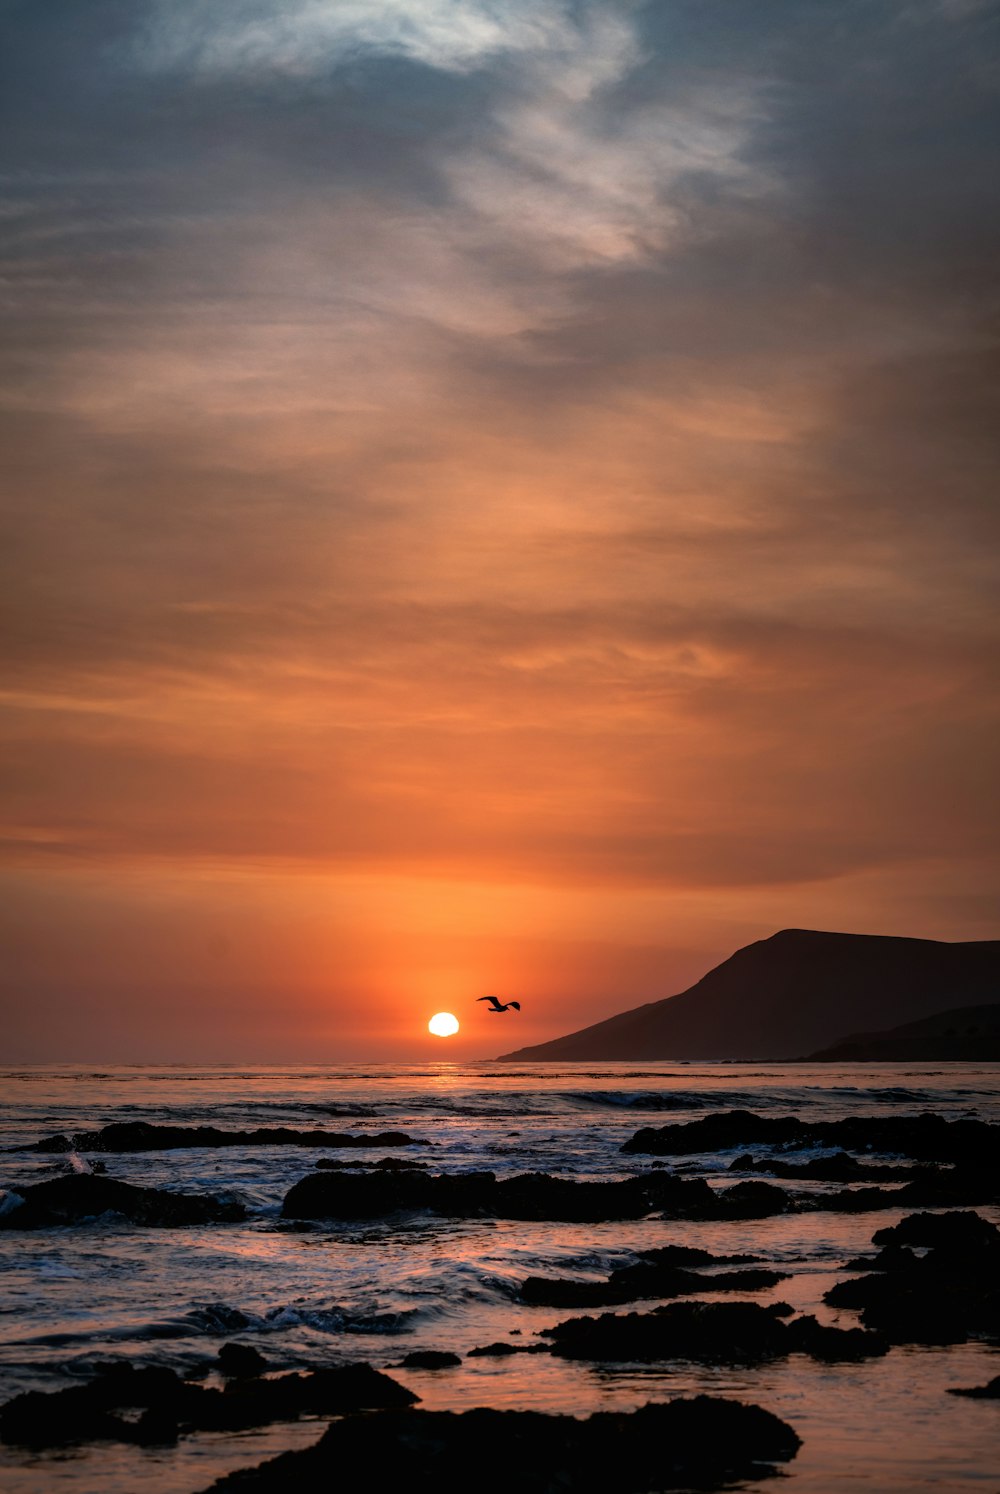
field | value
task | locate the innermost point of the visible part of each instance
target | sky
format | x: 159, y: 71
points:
x: 498, y: 495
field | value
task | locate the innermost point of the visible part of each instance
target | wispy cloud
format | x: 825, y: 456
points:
x: 301, y: 37
x: 458, y: 448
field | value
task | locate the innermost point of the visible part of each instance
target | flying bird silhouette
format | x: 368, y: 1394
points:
x: 496, y: 1005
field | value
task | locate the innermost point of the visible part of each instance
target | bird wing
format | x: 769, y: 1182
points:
x: 493, y: 1002
x: 515, y: 1004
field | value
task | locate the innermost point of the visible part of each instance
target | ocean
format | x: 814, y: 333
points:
x: 335, y: 1293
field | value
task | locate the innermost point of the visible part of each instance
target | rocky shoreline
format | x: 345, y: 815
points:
x: 931, y: 1279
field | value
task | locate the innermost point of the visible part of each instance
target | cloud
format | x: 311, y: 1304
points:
x: 493, y: 445
x: 300, y: 37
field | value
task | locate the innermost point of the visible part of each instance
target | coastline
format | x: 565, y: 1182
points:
x: 373, y: 1290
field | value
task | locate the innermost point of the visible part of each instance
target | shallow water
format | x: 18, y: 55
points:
x: 373, y: 1291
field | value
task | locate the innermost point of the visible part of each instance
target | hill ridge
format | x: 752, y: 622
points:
x: 792, y: 992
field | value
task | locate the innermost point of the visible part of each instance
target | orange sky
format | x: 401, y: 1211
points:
x: 497, y: 497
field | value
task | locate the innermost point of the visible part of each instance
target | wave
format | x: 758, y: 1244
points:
x: 631, y: 1100
x: 675, y: 1099
x: 218, y: 1319
x: 496, y: 1109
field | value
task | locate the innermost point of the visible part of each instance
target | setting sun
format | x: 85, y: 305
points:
x: 443, y: 1024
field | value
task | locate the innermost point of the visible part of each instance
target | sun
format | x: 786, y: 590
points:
x: 443, y: 1024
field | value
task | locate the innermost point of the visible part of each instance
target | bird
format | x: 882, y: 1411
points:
x: 496, y: 1005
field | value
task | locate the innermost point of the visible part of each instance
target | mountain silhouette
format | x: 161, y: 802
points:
x: 798, y: 991
x: 968, y: 1034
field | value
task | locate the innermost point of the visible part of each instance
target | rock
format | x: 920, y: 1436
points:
x: 944, y: 1187
x: 988, y: 1392
x: 716, y: 1132
x: 640, y: 1282
x: 537, y: 1196
x: 852, y: 1200
x: 142, y: 1136
x: 530, y: 1196
x: 928, y: 1188
x: 81, y: 1196
x: 840, y: 1168
x: 753, y: 1201
x: 650, y: 1280
x: 559, y: 1291
x: 241, y: 1361
x: 692, y: 1255
x: 958, y: 1233
x: 889, y: 1258
x: 707, y: 1333
x: 704, y: 1442
x: 336, y: 1195
x: 431, y: 1359
x: 87, y: 1413
x: 503, y: 1350
x: 835, y: 1345
x: 925, y: 1138
x: 942, y: 1297
x: 727, y: 1333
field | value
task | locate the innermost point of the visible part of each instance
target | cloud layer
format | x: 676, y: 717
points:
x: 492, y: 491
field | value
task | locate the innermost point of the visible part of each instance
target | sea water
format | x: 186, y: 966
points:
x: 374, y: 1290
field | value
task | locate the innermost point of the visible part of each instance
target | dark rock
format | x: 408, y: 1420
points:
x: 640, y: 1282
x: 336, y: 1195
x: 431, y: 1359
x: 81, y: 1196
x: 142, y: 1136
x: 155, y: 1429
x: 958, y: 1233
x: 889, y: 1258
x: 835, y: 1345
x: 988, y: 1392
x: 558, y: 1291
x: 348, y: 1387
x: 241, y: 1361
x: 925, y: 1138
x: 853, y: 1200
x: 840, y: 1168
x: 928, y: 1188
x: 935, y: 1188
x: 941, y: 1297
x: 753, y: 1279
x: 692, y: 1255
x: 704, y: 1442
x: 531, y: 1196
x: 707, y: 1333
x: 752, y: 1201
x: 87, y: 1413
x: 503, y: 1350
x: 716, y: 1132
x: 537, y: 1196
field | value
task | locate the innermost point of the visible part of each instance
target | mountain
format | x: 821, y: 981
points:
x: 796, y: 992
x: 969, y: 1034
